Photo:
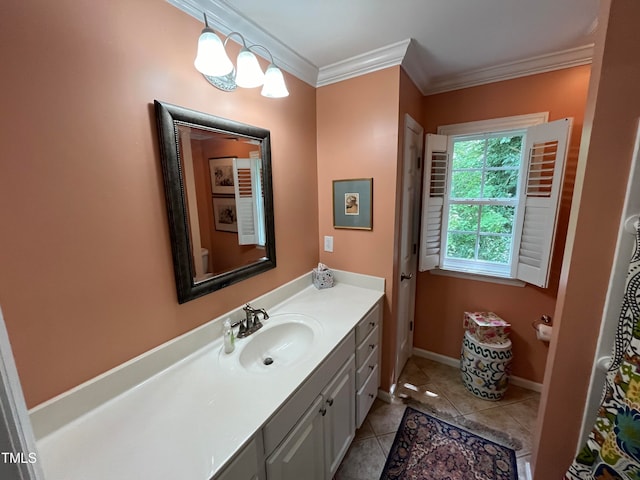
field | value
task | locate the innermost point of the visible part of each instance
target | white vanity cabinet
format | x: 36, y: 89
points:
x: 367, y: 361
x: 319, y: 441
x: 301, y: 453
x: 311, y: 445
x: 339, y: 419
x: 293, y: 420
x: 309, y: 436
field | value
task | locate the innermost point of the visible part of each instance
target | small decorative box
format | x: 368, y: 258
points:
x: 322, y: 277
x: 486, y: 327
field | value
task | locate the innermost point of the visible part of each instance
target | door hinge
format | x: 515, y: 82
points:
x: 419, y: 162
x: 415, y: 248
x: 411, y: 325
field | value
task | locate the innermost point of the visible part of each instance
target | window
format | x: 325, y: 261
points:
x: 490, y: 197
x: 483, y: 198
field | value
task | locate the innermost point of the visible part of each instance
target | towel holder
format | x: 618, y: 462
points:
x: 544, y: 320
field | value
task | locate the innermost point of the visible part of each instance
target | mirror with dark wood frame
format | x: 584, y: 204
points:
x: 218, y: 189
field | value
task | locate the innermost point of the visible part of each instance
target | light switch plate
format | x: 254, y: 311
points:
x: 328, y: 244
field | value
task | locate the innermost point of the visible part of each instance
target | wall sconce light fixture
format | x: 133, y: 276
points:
x: 213, y: 62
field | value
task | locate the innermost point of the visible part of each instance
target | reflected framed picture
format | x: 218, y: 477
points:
x: 224, y: 214
x: 221, y: 170
x: 353, y: 203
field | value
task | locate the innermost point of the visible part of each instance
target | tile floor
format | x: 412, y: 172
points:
x: 514, y: 415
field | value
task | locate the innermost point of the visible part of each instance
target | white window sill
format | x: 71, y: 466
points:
x: 481, y: 278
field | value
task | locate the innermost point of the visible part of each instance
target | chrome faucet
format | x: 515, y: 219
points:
x: 252, y: 322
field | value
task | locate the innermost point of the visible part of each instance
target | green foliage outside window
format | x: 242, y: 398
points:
x: 483, y: 168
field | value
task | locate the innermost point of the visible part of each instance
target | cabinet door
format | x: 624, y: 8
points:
x: 339, y: 420
x: 301, y: 453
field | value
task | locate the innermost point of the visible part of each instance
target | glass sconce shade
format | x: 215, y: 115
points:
x: 212, y: 61
x: 274, y: 86
x: 248, y: 71
x: 211, y: 58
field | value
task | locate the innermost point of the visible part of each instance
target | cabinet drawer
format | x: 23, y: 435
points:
x: 367, y: 367
x: 365, y: 396
x: 367, y: 346
x: 370, y: 321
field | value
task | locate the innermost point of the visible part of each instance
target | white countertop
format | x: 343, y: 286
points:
x: 189, y: 420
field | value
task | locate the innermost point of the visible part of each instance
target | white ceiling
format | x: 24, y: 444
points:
x: 454, y: 42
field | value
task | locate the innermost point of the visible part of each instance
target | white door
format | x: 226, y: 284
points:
x: 411, y: 175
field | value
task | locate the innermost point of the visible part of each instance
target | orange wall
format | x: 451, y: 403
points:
x: 86, y: 276
x: 442, y: 300
x: 411, y: 101
x: 611, y: 122
x: 358, y: 138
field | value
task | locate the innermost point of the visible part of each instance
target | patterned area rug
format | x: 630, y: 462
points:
x: 426, y: 448
x: 479, y: 429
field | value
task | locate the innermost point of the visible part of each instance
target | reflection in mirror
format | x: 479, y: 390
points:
x: 217, y: 176
x: 222, y: 176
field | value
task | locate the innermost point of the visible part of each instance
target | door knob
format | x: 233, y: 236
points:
x: 404, y: 276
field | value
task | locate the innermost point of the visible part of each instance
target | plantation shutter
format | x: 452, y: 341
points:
x: 247, y: 191
x: 433, y: 190
x: 258, y: 182
x: 546, y: 150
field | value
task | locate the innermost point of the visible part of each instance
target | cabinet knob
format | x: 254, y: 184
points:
x: 372, y: 367
x: 373, y: 324
x: 372, y: 346
x: 330, y: 402
x: 323, y: 411
x: 371, y: 395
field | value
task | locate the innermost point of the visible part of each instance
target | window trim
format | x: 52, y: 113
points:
x: 514, y: 282
x: 494, y: 124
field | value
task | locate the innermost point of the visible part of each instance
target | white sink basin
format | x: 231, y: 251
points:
x: 284, y: 340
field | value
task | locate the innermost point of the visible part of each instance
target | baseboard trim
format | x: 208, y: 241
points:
x: 384, y: 395
x: 455, y: 362
x: 527, y: 471
x: 436, y: 357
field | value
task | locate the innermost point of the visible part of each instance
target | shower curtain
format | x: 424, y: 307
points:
x: 612, y: 450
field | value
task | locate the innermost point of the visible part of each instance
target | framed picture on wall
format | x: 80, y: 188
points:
x: 221, y: 170
x: 353, y: 203
x: 224, y: 214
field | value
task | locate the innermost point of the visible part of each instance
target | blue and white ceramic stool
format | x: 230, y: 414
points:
x: 485, y: 367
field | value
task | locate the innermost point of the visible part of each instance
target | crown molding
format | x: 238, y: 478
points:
x: 223, y: 18
x: 572, y: 57
x: 362, y: 64
x: 415, y: 68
